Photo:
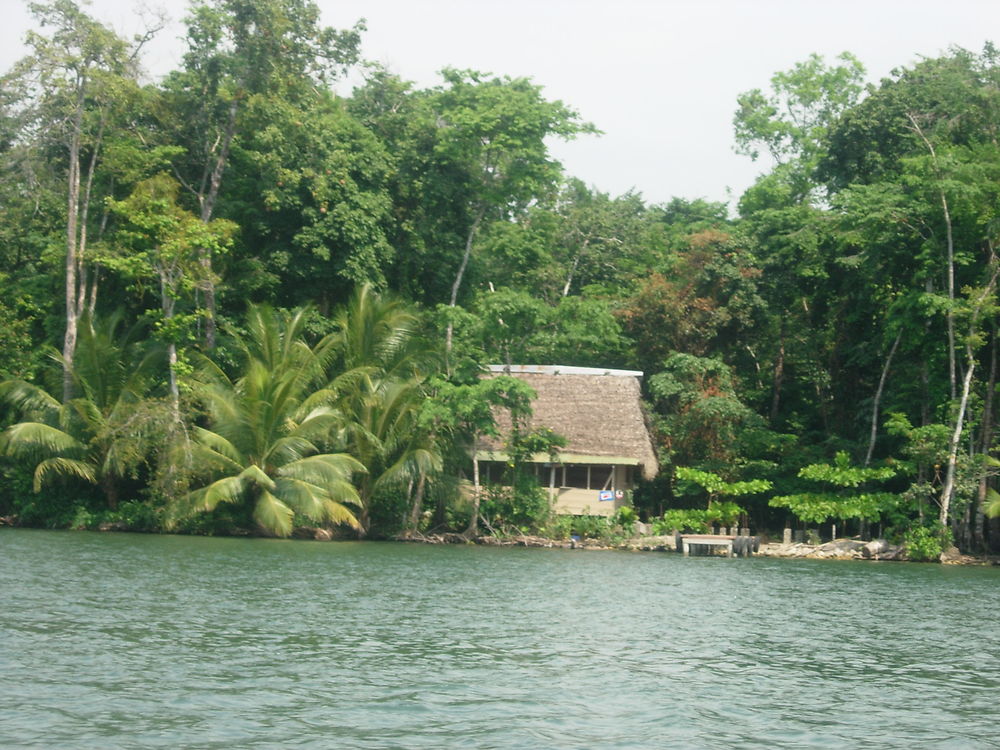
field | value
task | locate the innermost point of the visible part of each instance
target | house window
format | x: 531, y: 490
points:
x: 588, y: 477
x: 577, y: 476
x: 491, y: 472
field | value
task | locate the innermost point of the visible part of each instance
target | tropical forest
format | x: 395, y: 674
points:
x: 237, y: 301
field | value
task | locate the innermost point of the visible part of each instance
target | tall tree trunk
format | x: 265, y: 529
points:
x: 950, y: 247
x: 878, y: 398
x: 572, y: 269
x: 474, y: 520
x: 207, y: 199
x: 418, y: 502
x: 470, y: 238
x: 72, y: 259
x: 779, y: 373
x: 77, y: 216
x: 168, y: 303
x: 985, y: 444
x: 949, y: 482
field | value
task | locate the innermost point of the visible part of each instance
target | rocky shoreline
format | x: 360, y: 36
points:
x: 839, y: 549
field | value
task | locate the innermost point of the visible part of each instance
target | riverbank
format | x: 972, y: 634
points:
x: 839, y: 549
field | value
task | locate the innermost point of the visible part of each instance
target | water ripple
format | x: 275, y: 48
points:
x: 164, y: 642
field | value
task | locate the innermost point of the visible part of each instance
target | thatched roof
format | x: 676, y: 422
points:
x: 598, y: 411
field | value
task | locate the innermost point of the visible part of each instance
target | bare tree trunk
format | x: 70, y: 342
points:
x: 418, y: 502
x: 461, y: 272
x: 779, y: 373
x: 474, y: 521
x: 949, y: 482
x: 985, y: 444
x: 72, y: 260
x: 572, y: 270
x: 77, y: 216
x: 952, y: 357
x: 878, y: 398
x: 207, y: 201
x: 168, y: 303
x: 950, y: 246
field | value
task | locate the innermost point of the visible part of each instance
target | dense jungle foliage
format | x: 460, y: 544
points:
x: 236, y: 299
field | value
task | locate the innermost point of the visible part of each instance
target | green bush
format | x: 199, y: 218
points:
x: 684, y: 520
x: 925, y: 544
x: 626, y: 518
x: 558, y: 527
x: 591, y: 527
x: 524, y: 506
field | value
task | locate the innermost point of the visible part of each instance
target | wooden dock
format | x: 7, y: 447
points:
x: 743, y: 546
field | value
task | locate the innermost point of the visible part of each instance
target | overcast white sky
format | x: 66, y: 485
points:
x: 660, y: 78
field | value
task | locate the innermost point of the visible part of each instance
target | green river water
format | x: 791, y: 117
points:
x: 132, y: 641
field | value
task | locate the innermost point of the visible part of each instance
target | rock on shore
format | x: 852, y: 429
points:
x: 839, y: 549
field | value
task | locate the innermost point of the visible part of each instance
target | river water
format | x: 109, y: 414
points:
x: 133, y: 641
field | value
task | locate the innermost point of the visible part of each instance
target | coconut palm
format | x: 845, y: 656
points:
x: 385, y: 368
x: 97, y: 435
x: 267, y: 428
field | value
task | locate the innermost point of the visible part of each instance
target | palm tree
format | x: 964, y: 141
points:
x: 385, y: 367
x: 96, y: 436
x: 267, y: 428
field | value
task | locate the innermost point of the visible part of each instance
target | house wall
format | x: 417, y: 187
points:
x: 575, y: 501
x: 578, y: 499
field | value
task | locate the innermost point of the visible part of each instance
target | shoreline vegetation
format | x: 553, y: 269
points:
x: 876, y: 550
x: 236, y: 301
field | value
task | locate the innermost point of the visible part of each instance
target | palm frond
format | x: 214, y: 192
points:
x: 319, y: 424
x: 27, y: 398
x: 337, y: 513
x: 26, y: 438
x: 52, y: 468
x: 211, y: 462
x: 305, y: 498
x: 409, y: 466
x: 257, y: 475
x: 319, y: 398
x: 288, y: 449
x: 225, y: 490
x: 323, y: 470
x: 88, y: 412
x: 272, y: 514
x: 992, y: 508
x: 220, y: 445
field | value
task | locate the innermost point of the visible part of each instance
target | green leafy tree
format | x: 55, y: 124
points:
x: 848, y: 500
x: 310, y: 192
x: 715, y: 486
x: 702, y: 414
x: 158, y: 239
x: 66, y: 94
x: 792, y: 121
x: 243, y: 51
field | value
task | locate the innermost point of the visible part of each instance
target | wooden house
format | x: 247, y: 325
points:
x: 608, y: 446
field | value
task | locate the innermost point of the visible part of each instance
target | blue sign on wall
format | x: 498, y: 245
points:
x: 605, y: 495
